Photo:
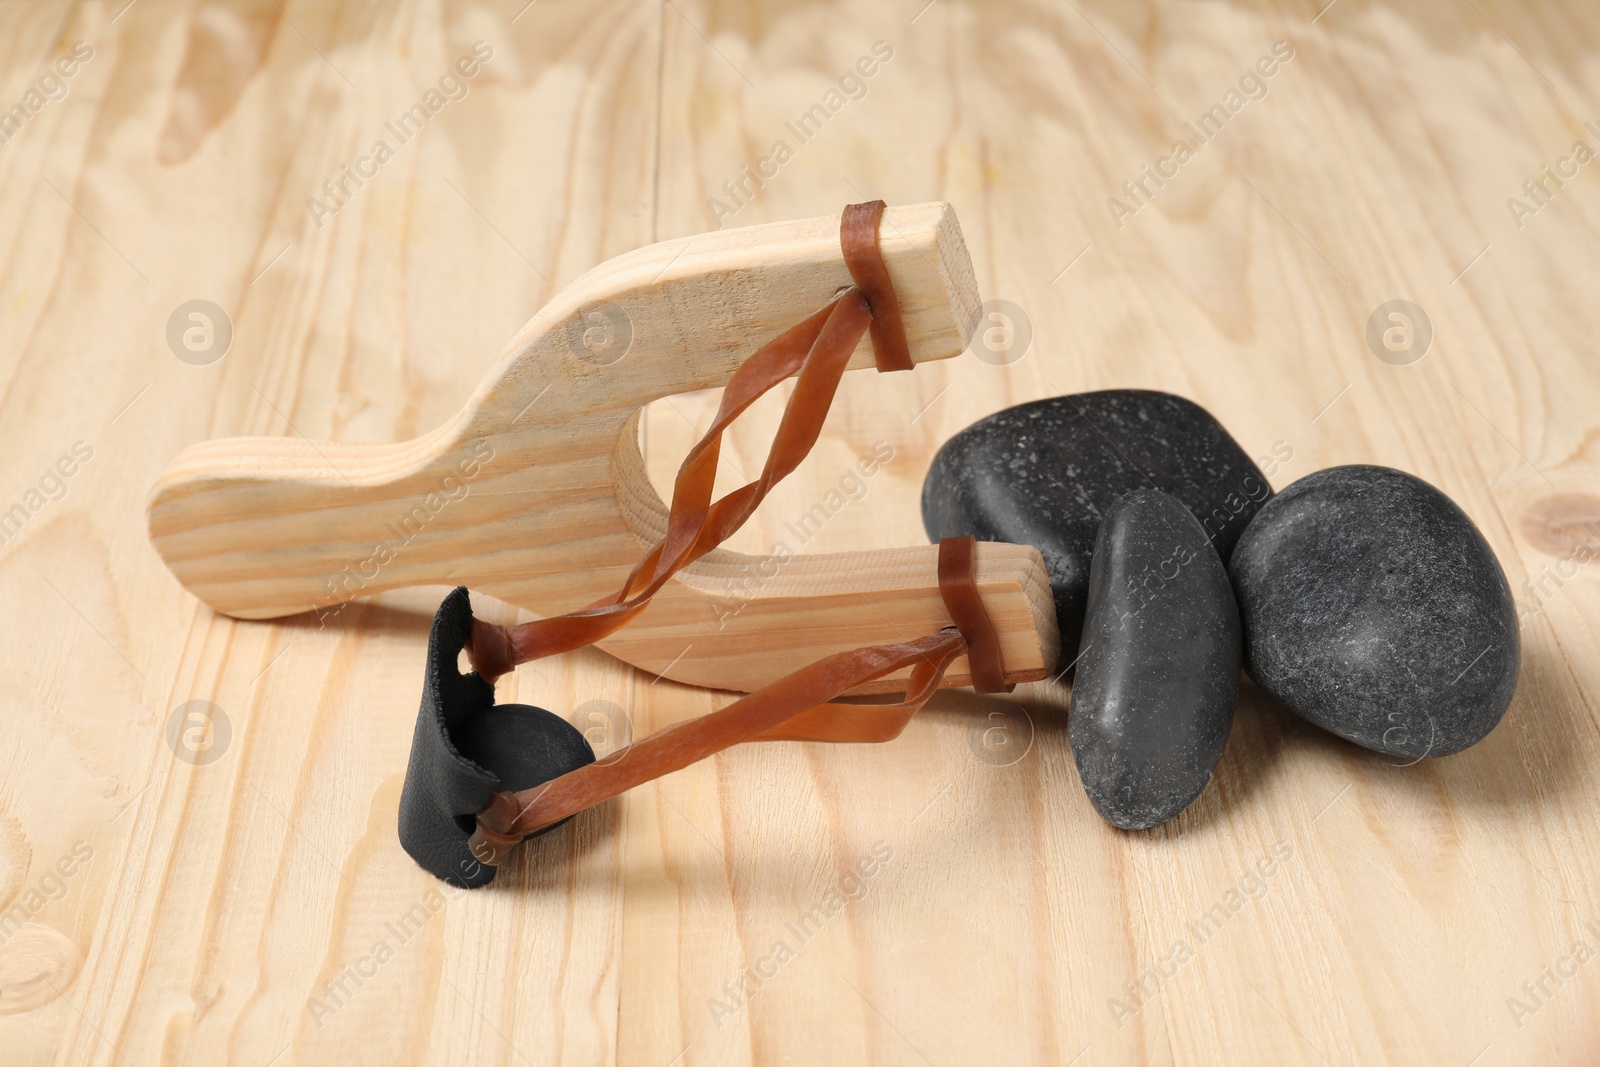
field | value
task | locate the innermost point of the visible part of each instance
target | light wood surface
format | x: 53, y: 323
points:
x: 214, y: 905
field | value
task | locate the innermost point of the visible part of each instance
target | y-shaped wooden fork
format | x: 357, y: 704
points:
x: 536, y: 492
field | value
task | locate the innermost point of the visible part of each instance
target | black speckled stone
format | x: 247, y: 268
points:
x: 1374, y: 608
x: 1044, y: 473
x: 1158, y: 670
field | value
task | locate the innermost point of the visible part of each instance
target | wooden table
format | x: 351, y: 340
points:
x: 240, y: 896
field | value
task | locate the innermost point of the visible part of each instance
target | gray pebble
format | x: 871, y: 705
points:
x: 1373, y: 607
x: 1158, y: 670
x: 1044, y: 473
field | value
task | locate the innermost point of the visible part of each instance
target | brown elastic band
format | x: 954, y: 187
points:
x: 858, y: 233
x: 958, y: 585
x: 818, y: 349
x: 876, y: 723
x: 815, y: 352
x: 796, y: 706
x: 511, y: 816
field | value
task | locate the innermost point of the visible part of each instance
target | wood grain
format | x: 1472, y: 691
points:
x: 950, y: 897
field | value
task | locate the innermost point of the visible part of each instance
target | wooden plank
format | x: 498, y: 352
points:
x: 1315, y: 906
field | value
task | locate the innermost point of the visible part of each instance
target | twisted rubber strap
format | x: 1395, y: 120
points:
x: 875, y: 723
x: 509, y: 817
x: 793, y: 708
x: 818, y: 349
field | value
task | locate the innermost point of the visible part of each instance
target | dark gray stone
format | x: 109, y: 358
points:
x: 1158, y: 670
x: 1044, y: 473
x: 1373, y: 607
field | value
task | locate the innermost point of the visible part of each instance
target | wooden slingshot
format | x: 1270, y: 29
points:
x: 536, y: 492
x: 543, y: 500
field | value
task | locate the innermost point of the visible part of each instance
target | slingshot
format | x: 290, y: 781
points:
x: 536, y: 493
x: 558, y: 507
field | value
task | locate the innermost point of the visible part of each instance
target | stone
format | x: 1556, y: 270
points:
x: 1044, y: 473
x: 1373, y: 607
x: 1158, y: 669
